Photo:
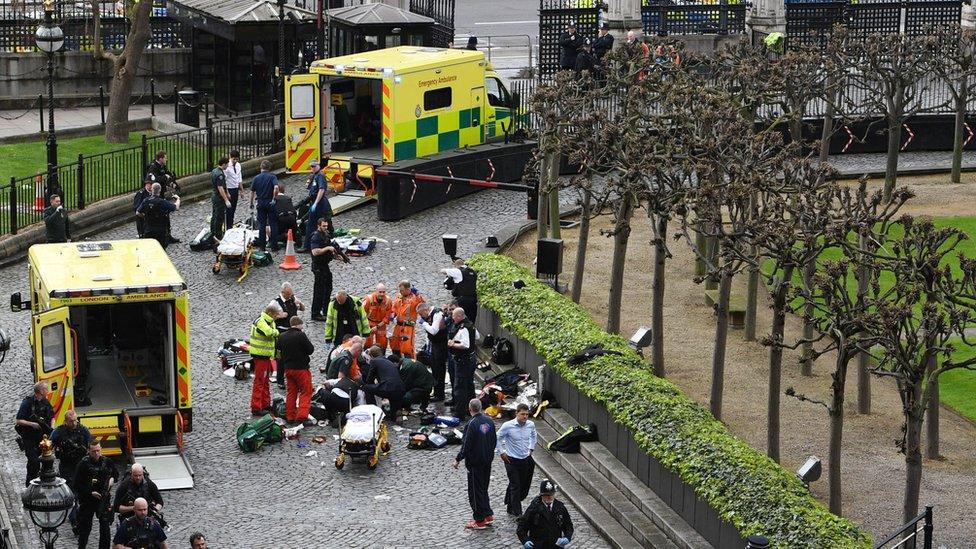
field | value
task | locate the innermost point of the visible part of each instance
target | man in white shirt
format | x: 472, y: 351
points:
x: 233, y: 175
x: 461, y: 342
x: 433, y: 323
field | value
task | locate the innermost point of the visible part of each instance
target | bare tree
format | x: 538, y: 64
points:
x: 890, y: 75
x: 840, y: 316
x: 125, y: 64
x: 955, y: 66
x: 925, y: 309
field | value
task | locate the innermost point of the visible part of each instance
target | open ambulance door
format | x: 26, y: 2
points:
x: 55, y: 358
x: 306, y: 121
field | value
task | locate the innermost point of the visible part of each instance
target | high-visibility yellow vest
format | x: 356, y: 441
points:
x: 263, y: 336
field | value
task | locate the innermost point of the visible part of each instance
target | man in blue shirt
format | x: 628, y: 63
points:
x: 264, y: 188
x: 516, y: 440
x: 318, y: 204
x: 477, y: 451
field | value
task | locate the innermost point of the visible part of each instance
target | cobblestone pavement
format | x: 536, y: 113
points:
x: 277, y: 497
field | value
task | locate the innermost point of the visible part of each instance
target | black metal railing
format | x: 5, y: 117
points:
x: 663, y: 17
x: 908, y: 536
x: 810, y: 22
x: 96, y: 177
x: 19, y: 20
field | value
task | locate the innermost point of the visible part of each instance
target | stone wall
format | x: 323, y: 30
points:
x: 79, y: 74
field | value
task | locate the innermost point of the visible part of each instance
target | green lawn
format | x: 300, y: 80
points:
x: 24, y: 159
x: 957, y: 388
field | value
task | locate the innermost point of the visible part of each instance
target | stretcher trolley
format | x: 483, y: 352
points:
x: 365, y: 434
x: 235, y: 250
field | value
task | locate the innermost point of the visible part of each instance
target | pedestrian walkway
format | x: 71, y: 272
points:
x: 915, y: 162
x: 26, y: 122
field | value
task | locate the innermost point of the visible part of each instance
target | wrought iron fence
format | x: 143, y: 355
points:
x: 554, y: 17
x: 917, y: 534
x: 19, y: 20
x: 442, y: 12
x: 810, y: 22
x: 663, y: 17
x: 105, y: 175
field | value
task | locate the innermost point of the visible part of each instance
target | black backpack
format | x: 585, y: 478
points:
x: 569, y: 442
x: 504, y: 353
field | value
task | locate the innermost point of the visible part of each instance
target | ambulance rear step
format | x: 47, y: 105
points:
x: 105, y: 429
x: 166, y: 465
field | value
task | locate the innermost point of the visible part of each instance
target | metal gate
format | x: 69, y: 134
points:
x: 442, y: 12
x: 554, y: 15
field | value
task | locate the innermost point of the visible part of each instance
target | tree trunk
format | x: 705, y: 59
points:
x: 553, y: 178
x: 711, y: 254
x: 806, y: 359
x: 124, y: 75
x: 863, y: 359
x: 657, y: 298
x: 932, y: 413
x: 796, y: 131
x: 891, y: 159
x: 702, y: 244
x: 625, y: 210
x: 828, y: 130
x: 957, y: 134
x: 721, y: 337
x: 913, y: 462
x: 752, y: 285
x: 584, y: 236
x: 776, y: 365
x: 836, y: 412
x: 542, y: 204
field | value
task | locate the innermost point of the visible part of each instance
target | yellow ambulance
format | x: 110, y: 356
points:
x: 110, y: 334
x: 389, y: 105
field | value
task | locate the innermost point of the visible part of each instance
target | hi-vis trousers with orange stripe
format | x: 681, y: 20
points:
x: 402, y: 341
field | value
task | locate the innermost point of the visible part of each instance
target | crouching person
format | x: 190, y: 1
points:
x: 546, y: 523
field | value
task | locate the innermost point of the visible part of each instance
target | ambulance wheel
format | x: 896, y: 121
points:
x: 372, y: 461
x: 385, y: 447
x: 340, y: 461
x: 216, y: 268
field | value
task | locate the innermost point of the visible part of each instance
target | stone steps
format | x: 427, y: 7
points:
x: 622, y: 513
x: 653, y: 512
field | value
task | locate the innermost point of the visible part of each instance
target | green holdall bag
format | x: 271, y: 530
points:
x: 254, y: 434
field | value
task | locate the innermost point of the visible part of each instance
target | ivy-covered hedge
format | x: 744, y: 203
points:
x: 745, y: 487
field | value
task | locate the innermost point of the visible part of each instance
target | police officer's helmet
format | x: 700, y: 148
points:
x: 547, y: 487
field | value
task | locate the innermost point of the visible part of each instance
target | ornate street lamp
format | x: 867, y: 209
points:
x: 48, y: 498
x: 49, y: 39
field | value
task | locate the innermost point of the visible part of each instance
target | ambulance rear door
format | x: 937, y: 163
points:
x: 54, y: 357
x: 304, y: 120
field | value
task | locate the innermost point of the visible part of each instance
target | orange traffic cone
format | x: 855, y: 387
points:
x: 291, y: 262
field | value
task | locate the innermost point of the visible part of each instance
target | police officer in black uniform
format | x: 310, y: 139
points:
x: 159, y: 173
x: 569, y: 44
x: 93, y: 485
x: 461, y: 342
x: 157, y: 210
x: 140, y: 531
x: 135, y: 487
x: 142, y: 194
x: 70, y: 442
x: 33, y: 424
x: 463, y: 283
x: 546, y: 523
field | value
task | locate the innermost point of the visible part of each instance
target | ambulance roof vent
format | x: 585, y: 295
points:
x: 361, y: 60
x: 101, y: 278
x: 430, y: 50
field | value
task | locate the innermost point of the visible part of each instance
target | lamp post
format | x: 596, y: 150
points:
x: 48, y: 498
x: 50, y: 38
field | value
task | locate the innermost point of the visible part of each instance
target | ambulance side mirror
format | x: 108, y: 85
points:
x: 17, y: 304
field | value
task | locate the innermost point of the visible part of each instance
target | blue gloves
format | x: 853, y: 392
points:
x: 528, y: 545
x: 562, y: 542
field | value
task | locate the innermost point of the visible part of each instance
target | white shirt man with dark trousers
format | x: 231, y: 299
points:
x: 516, y: 441
x: 432, y: 322
x: 234, y: 179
